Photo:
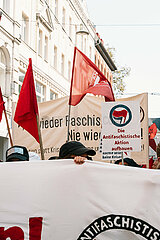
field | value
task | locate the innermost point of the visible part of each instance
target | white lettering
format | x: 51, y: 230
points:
x: 97, y: 226
x: 138, y: 226
x: 125, y: 222
x: 109, y: 221
x: 115, y: 222
x: 103, y: 225
x: 89, y: 231
x: 145, y: 227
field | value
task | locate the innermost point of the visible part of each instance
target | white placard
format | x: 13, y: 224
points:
x: 121, y: 127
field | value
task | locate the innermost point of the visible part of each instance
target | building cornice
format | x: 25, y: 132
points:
x: 40, y: 18
x: 81, y: 13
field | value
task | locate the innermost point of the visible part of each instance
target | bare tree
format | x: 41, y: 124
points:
x: 119, y: 75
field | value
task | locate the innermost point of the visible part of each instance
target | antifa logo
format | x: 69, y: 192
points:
x: 121, y: 222
x: 94, y: 79
x: 120, y: 115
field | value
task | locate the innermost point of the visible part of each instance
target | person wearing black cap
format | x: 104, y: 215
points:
x: 128, y: 162
x: 17, y: 153
x: 76, y: 150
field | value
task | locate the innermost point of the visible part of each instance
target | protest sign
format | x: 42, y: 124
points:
x: 121, y: 127
x: 60, y: 200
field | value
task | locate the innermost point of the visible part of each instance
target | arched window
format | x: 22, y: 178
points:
x: 2, y: 71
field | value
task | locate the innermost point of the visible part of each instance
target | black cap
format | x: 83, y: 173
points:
x: 75, y: 148
x: 17, y: 152
x: 53, y: 158
x: 129, y: 161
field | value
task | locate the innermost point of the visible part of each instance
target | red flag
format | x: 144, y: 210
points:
x: 27, y: 108
x: 152, y: 144
x: 1, y: 104
x: 87, y: 78
x: 152, y: 130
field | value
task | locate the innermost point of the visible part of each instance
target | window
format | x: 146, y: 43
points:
x: 102, y: 68
x: 70, y: 27
x: 95, y: 59
x: 90, y: 52
x: 24, y: 28
x: 40, y: 92
x: 56, y: 9
x: 20, y: 80
x: 85, y: 45
x: 2, y: 71
x: 2, y: 57
x: 82, y: 43
x: 98, y: 64
x: 63, y: 17
x: 62, y: 64
x: 69, y: 70
x: 6, y: 6
x: 46, y: 48
x: 53, y: 95
x: 40, y: 43
x: 55, y: 57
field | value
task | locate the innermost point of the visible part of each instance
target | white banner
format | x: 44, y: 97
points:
x: 59, y: 200
x: 85, y: 127
x: 143, y: 156
x: 121, y: 127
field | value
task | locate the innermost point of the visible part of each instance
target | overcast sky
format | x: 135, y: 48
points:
x: 132, y: 27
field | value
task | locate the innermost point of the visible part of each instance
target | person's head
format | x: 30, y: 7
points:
x: 17, y: 153
x: 74, y: 148
x: 128, y: 162
x: 53, y: 158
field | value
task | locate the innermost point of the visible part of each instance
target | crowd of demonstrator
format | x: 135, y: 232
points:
x: 72, y: 150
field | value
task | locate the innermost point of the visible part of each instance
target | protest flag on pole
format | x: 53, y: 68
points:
x: 26, y: 114
x: 87, y: 78
x: 2, y: 108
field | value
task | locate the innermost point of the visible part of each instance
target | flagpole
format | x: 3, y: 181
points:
x: 69, y: 117
x: 8, y: 128
x: 69, y: 109
x: 122, y: 159
x: 40, y: 138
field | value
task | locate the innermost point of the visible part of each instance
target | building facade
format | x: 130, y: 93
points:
x: 46, y: 31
